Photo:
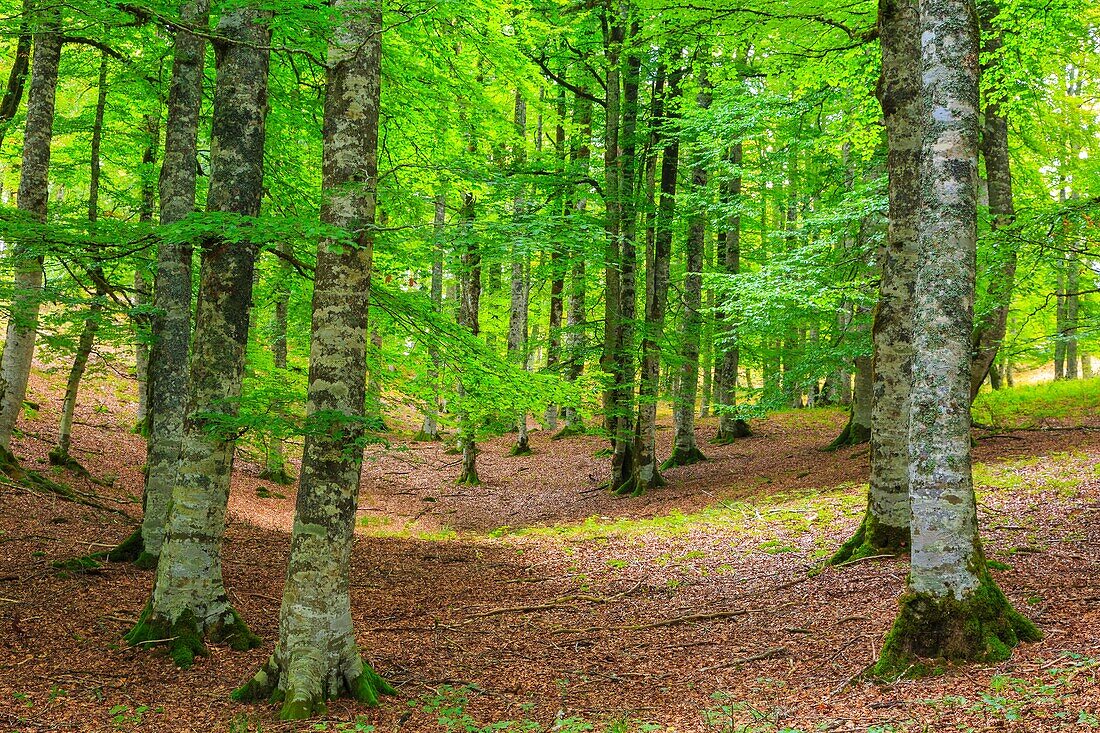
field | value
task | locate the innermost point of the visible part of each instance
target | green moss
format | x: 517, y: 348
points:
x: 184, y: 638
x: 569, y: 431
x: 725, y: 437
x: 369, y: 687
x: 983, y: 627
x: 872, y: 538
x: 683, y: 458
x: 422, y: 437
x: 76, y: 565
x: 520, y: 449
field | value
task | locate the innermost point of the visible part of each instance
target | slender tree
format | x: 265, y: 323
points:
x: 26, y: 300
x: 885, y: 527
x: 952, y: 608
x: 429, y: 430
x: 517, y: 318
x: 685, y: 450
x: 189, y: 600
x: 646, y: 474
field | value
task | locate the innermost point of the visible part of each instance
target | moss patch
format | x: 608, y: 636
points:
x: 872, y: 538
x: 683, y: 458
x: 185, y: 637
x: 982, y: 627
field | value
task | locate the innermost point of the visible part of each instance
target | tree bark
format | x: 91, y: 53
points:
x: 644, y: 461
x: 517, y: 320
x: 991, y: 329
x: 60, y: 454
x: 17, y: 77
x: 317, y: 657
x: 952, y: 608
x: 470, y: 303
x: 885, y: 527
x: 171, y: 322
x: 189, y: 599
x: 728, y: 251
x: 684, y: 449
x: 26, y: 299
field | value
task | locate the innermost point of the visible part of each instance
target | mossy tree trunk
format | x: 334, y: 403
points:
x: 34, y: 183
x: 317, y: 657
x: 728, y: 252
x: 646, y: 474
x: 559, y: 263
x: 189, y: 600
x: 275, y: 468
x: 469, y: 305
x: 142, y: 292
x: 885, y: 527
x: 952, y: 609
x: 171, y: 320
x: 685, y: 450
x: 517, y: 318
x: 17, y: 76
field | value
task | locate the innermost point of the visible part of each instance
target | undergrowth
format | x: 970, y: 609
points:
x: 1067, y: 402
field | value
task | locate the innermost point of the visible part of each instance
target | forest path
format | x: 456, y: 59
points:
x: 644, y: 613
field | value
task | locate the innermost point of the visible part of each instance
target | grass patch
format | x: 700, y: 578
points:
x: 1067, y: 402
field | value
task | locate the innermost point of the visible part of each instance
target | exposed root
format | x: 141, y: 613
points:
x: 423, y: 437
x: 277, y: 475
x: 871, y: 539
x: 520, y: 449
x: 308, y: 700
x: 569, y: 431
x: 185, y: 637
x: 929, y: 630
x: 681, y: 457
x: 852, y: 434
x: 740, y: 429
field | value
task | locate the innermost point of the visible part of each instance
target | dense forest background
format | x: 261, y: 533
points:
x: 528, y: 264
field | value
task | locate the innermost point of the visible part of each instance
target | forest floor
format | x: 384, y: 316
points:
x: 540, y: 599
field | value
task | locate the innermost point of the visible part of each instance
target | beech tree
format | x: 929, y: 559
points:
x: 317, y: 657
x: 952, y: 607
x: 189, y: 601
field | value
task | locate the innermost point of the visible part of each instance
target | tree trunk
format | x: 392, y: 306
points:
x: 580, y: 154
x: 189, y: 598
x: 644, y: 461
x: 275, y: 460
x: 59, y: 456
x: 470, y: 302
x: 17, y: 77
x: 623, y: 466
x: 517, y: 320
x: 171, y: 322
x: 26, y: 298
x: 885, y: 527
x: 141, y: 286
x: 728, y: 251
x: 990, y: 331
x: 317, y: 657
x: 684, y: 449
x: 952, y: 608
x: 558, y: 263
x: 1072, y: 300
x: 429, y: 431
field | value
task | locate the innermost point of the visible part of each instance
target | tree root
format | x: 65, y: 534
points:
x: 185, y: 637
x: 299, y: 704
x: 930, y: 630
x: 871, y: 539
x: 852, y: 434
x: 520, y: 449
x: 740, y: 429
x: 569, y: 431
x: 681, y: 457
x: 422, y: 437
